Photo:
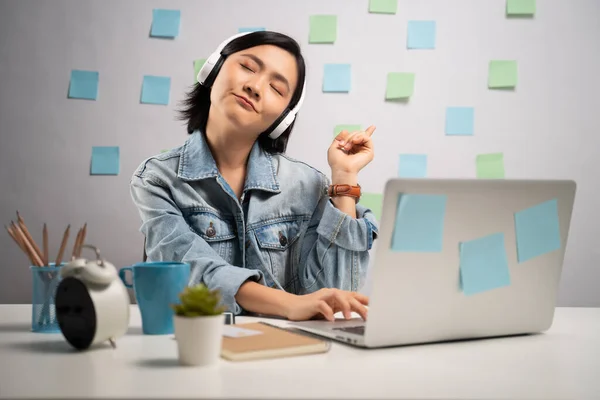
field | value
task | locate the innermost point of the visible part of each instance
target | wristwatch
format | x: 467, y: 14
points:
x: 344, y: 190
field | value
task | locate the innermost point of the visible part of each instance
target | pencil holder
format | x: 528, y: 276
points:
x: 45, y: 280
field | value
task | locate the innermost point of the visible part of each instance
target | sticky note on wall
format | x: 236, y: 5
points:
x: 520, y: 7
x: 83, y: 84
x: 419, y: 224
x: 337, y: 78
x: 400, y: 85
x: 460, y: 120
x: 490, y: 166
x: 483, y: 264
x: 502, y: 74
x: 251, y: 29
x: 348, y: 127
x: 383, y: 6
x: 197, y: 66
x: 412, y: 166
x: 165, y: 23
x: 156, y: 89
x: 105, y: 160
x: 537, y: 230
x: 421, y: 35
x: 373, y: 201
x: 323, y: 29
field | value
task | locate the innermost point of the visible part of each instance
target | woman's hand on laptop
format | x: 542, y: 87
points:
x: 324, y: 303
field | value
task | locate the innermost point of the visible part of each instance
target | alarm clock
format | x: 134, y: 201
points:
x: 92, y: 303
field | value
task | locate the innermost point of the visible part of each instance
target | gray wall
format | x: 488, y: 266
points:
x: 547, y: 128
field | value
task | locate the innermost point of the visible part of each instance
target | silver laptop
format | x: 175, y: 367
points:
x: 462, y: 259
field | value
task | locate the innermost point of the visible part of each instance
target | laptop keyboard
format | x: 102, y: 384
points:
x: 357, y: 330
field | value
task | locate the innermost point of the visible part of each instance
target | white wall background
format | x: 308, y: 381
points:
x: 546, y: 128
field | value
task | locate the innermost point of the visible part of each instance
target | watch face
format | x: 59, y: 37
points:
x: 75, y: 313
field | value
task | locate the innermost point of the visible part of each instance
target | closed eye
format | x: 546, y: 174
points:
x: 246, y: 67
x: 275, y: 89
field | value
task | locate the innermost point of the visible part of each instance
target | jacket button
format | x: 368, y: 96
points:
x: 282, y: 239
x: 210, y: 231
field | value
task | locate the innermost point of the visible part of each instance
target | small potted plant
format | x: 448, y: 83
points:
x: 198, y: 321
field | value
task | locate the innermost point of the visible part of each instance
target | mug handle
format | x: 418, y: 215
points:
x: 122, y: 276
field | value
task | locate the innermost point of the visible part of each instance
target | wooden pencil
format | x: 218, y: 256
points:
x: 23, y: 227
x: 82, y: 241
x: 63, y: 245
x: 45, y: 243
x: 12, y: 231
x: 76, y: 244
x: 36, y: 259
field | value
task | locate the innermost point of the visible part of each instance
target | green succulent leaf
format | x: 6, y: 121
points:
x: 198, y: 301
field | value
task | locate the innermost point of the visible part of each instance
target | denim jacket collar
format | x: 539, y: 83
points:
x: 197, y: 162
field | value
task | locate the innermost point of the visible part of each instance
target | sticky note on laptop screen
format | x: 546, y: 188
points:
x: 537, y: 230
x: 483, y: 264
x: 419, y: 224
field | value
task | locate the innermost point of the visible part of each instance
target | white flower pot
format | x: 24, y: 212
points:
x: 199, y: 339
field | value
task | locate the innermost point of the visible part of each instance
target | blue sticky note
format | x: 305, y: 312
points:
x: 105, y: 160
x: 459, y: 120
x: 421, y: 35
x: 83, y: 84
x: 412, y: 166
x: 419, y: 225
x: 336, y: 78
x: 251, y: 29
x: 483, y: 264
x: 165, y: 23
x: 537, y: 230
x: 156, y: 89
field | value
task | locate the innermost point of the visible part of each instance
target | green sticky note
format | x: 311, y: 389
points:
x: 323, y: 29
x: 372, y: 201
x: 164, y: 150
x: 502, y: 74
x: 383, y: 6
x: 520, y: 7
x: 490, y: 166
x: 350, y: 128
x: 197, y: 66
x: 400, y: 85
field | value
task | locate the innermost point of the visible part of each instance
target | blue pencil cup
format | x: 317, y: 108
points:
x: 45, y: 280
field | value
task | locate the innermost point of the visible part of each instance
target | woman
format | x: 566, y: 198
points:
x: 252, y: 222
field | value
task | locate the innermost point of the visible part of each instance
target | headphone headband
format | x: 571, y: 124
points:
x: 211, y: 67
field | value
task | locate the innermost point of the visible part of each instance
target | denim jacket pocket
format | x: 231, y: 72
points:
x: 279, y: 245
x: 214, y: 229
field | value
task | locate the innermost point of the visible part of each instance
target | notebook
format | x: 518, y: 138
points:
x: 259, y: 340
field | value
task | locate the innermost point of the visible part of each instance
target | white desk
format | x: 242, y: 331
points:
x: 563, y: 363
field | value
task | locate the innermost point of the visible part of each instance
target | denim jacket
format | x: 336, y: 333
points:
x: 284, y: 233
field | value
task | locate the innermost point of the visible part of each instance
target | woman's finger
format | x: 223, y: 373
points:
x: 358, y: 308
x: 347, y: 138
x: 370, y: 130
x: 361, y: 298
x: 342, y: 136
x: 324, y: 309
x: 344, y: 304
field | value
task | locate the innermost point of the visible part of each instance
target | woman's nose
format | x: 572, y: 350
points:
x: 251, y: 88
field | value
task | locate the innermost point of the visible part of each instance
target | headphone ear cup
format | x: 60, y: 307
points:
x: 283, y: 125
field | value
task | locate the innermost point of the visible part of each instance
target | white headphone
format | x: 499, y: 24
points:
x: 210, y: 69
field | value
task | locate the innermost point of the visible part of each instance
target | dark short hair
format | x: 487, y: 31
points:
x: 197, y: 101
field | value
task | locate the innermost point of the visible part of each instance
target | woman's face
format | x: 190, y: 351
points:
x: 254, y: 86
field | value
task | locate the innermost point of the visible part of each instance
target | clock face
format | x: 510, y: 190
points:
x: 75, y: 313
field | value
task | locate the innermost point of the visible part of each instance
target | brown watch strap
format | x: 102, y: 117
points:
x: 344, y: 190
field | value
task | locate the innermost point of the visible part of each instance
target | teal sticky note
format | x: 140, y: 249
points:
x: 419, y: 225
x: 105, y: 160
x: 483, y: 264
x: 155, y: 89
x: 165, y: 23
x: 83, y: 84
x: 421, y: 35
x: 460, y: 120
x: 337, y: 78
x: 251, y: 29
x: 412, y: 166
x: 537, y: 230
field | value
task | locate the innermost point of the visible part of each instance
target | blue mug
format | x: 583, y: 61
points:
x: 157, y: 286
